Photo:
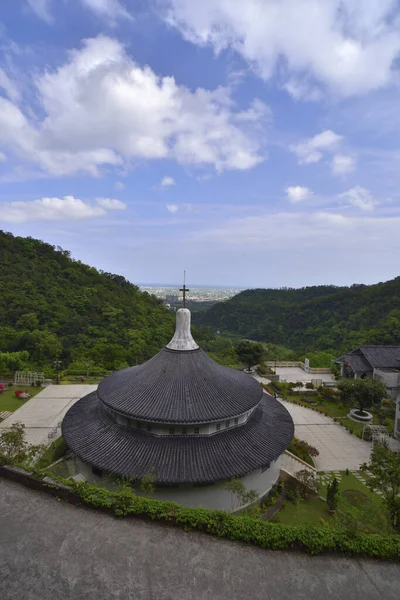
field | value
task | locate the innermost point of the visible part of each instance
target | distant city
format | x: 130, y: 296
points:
x: 172, y: 295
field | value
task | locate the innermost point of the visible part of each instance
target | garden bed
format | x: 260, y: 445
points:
x: 8, y: 401
x: 356, y: 502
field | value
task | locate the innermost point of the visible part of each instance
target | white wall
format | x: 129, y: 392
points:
x: 391, y: 379
x: 207, y: 496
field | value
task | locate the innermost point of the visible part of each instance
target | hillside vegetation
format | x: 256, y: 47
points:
x: 55, y: 307
x: 313, y: 318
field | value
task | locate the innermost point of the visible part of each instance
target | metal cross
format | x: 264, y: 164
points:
x: 184, y: 289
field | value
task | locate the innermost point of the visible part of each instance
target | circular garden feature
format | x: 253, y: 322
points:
x: 355, y: 497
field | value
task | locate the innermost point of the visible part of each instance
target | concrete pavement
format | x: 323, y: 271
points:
x: 293, y: 374
x: 42, y: 414
x: 338, y: 449
x: 50, y: 550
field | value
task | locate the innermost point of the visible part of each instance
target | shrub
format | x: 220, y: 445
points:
x: 332, y: 494
x: 303, y: 450
x: 274, y: 536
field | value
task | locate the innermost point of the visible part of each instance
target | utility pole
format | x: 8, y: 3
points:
x: 57, y: 366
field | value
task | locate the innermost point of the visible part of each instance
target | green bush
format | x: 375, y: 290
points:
x: 53, y: 453
x: 303, y: 450
x: 274, y: 536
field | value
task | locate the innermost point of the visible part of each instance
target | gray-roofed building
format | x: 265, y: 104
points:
x: 378, y: 362
x: 185, y: 418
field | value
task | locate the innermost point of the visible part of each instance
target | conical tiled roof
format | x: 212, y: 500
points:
x: 128, y: 425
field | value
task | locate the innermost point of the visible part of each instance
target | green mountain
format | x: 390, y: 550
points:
x: 311, y: 319
x: 55, y: 307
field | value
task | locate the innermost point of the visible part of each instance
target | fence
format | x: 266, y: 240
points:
x: 288, y: 363
x: 28, y: 377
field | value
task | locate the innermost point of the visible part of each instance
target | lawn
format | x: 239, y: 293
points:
x: 309, y: 512
x: 10, y: 403
x: 355, y: 501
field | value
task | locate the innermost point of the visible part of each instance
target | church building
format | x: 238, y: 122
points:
x: 191, y: 422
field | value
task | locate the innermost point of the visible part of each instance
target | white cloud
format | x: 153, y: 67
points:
x: 41, y: 8
x: 111, y: 204
x: 119, y: 185
x: 101, y: 108
x: 346, y: 46
x: 3, y: 157
x: 361, y: 198
x: 256, y: 113
x: 342, y: 164
x: 55, y: 209
x: 319, y: 232
x: 297, y: 193
x: 167, y: 182
x: 108, y: 9
x: 311, y: 150
x: 9, y: 86
x: 172, y: 208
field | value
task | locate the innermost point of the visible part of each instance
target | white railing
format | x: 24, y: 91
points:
x: 293, y: 464
x: 289, y: 363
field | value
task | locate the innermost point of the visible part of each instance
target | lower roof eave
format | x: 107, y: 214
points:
x: 98, y: 440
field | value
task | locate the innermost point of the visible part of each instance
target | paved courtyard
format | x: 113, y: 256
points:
x: 292, y: 374
x: 50, y: 550
x: 43, y: 413
x: 338, y: 449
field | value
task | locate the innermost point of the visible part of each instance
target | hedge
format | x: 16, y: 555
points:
x: 274, y: 536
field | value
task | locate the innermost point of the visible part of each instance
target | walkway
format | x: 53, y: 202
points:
x: 50, y: 550
x: 338, y: 449
x: 42, y: 414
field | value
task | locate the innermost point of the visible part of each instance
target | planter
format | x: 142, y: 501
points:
x: 354, y: 416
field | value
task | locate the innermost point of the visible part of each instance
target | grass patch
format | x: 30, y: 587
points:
x: 355, y: 497
x: 312, y: 511
x: 9, y: 402
x: 358, y: 507
x: 349, y: 482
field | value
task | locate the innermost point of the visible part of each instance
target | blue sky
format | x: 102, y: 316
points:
x: 253, y: 144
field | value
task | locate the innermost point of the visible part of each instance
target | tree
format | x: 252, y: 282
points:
x: 307, y: 483
x: 332, y: 494
x: 362, y: 392
x: 13, y: 361
x: 148, y: 483
x: 384, y: 475
x: 249, y: 353
x: 309, y: 385
x: 239, y: 492
x: 14, y: 449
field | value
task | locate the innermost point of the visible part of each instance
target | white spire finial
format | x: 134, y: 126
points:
x: 182, y: 339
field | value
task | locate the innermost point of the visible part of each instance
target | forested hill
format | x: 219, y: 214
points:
x: 313, y: 318
x: 56, y: 307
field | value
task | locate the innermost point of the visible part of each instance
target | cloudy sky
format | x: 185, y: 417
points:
x: 253, y: 143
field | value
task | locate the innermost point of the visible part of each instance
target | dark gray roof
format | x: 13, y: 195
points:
x: 357, y: 362
x: 97, y: 439
x: 382, y: 356
x: 368, y: 358
x: 180, y: 387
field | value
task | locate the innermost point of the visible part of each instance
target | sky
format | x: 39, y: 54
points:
x: 254, y: 144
